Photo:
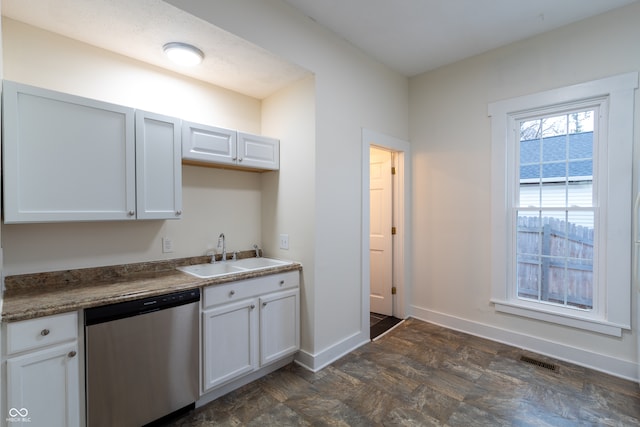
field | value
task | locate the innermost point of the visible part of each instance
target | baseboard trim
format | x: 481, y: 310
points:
x: 599, y: 362
x: 317, y: 361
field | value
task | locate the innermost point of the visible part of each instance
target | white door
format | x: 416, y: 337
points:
x: 43, y: 387
x: 279, y: 325
x: 381, y: 244
x: 158, y: 166
x: 230, y: 342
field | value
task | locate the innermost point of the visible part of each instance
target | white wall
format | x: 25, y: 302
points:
x: 214, y: 200
x: 288, y: 197
x: 450, y: 134
x: 352, y: 91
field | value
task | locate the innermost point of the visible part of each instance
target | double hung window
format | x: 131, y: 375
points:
x: 561, y: 204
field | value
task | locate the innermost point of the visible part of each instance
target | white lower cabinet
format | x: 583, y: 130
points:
x: 230, y: 345
x: 279, y: 325
x: 248, y: 325
x: 42, y: 384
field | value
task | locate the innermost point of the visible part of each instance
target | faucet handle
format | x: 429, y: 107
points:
x: 258, y: 250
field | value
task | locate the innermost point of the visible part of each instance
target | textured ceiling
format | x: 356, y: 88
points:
x: 410, y: 36
x: 139, y: 28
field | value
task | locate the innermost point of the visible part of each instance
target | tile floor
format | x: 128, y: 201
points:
x: 424, y: 375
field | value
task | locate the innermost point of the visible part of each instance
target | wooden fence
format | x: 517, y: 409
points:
x: 555, y: 261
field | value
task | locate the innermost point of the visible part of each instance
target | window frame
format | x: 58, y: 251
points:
x: 612, y: 302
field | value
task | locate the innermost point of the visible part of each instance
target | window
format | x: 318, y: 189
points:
x: 554, y: 208
x: 561, y: 204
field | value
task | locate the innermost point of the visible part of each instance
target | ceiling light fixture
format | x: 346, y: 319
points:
x: 183, y: 54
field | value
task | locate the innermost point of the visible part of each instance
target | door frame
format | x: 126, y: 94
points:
x: 402, y: 240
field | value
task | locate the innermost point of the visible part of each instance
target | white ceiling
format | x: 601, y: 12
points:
x: 139, y: 28
x: 414, y: 36
x: 410, y: 36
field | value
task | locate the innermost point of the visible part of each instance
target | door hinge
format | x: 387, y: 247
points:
x: 393, y: 290
x: 393, y: 230
x: 393, y: 170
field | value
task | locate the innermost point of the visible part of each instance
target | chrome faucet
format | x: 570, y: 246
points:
x: 257, y: 249
x: 222, y: 243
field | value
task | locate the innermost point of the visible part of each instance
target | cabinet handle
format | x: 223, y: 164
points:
x: 232, y: 293
x: 72, y: 353
x: 44, y: 332
x: 132, y: 213
x: 253, y: 306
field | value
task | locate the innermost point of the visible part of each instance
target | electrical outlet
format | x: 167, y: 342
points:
x: 284, y: 241
x: 167, y: 245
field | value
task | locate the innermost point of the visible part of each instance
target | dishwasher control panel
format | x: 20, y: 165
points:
x: 106, y: 313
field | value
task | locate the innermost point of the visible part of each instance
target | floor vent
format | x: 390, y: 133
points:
x: 540, y: 363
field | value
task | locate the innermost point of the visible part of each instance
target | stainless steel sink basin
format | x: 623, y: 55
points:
x: 207, y: 271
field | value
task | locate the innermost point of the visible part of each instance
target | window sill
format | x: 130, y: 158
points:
x: 598, y: 326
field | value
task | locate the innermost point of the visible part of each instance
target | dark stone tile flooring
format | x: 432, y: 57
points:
x: 420, y: 374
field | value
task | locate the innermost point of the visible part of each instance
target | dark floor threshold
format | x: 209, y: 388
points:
x: 383, y: 326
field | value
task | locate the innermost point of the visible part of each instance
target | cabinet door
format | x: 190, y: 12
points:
x: 279, y: 325
x: 230, y: 342
x: 66, y: 158
x: 257, y: 151
x: 43, y: 387
x: 208, y: 144
x: 158, y: 166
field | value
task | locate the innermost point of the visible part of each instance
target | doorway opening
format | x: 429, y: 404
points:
x: 386, y: 176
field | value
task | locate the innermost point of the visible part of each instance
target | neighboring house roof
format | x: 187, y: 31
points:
x: 574, y: 151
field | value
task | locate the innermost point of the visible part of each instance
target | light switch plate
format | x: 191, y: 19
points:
x: 284, y: 241
x: 167, y: 245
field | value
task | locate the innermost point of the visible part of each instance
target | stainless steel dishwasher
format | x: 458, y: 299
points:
x: 141, y: 359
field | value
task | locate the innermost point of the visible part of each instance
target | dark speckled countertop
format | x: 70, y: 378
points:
x: 28, y: 296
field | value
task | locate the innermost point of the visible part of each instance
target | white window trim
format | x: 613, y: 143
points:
x: 615, y: 314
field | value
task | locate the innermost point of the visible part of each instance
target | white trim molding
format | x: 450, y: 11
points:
x: 588, y: 359
x: 611, y: 311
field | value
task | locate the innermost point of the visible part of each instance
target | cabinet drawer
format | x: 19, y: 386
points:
x: 235, y: 291
x: 41, y: 332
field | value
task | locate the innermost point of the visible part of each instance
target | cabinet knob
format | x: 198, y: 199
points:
x: 131, y: 213
x: 253, y: 306
x: 240, y: 159
x: 232, y: 293
x: 44, y: 332
x: 281, y: 282
x: 264, y: 304
x: 178, y: 213
x: 72, y: 353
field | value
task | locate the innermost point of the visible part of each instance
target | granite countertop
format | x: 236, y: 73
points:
x: 28, y: 296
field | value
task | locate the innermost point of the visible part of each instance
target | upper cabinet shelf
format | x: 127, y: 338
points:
x: 68, y: 158
x: 209, y: 145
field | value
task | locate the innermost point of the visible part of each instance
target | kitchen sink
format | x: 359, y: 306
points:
x: 258, y: 263
x: 207, y: 271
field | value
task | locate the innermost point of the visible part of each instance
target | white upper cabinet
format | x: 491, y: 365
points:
x: 208, y: 144
x: 66, y: 158
x: 257, y: 151
x: 202, y: 144
x: 158, y: 166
